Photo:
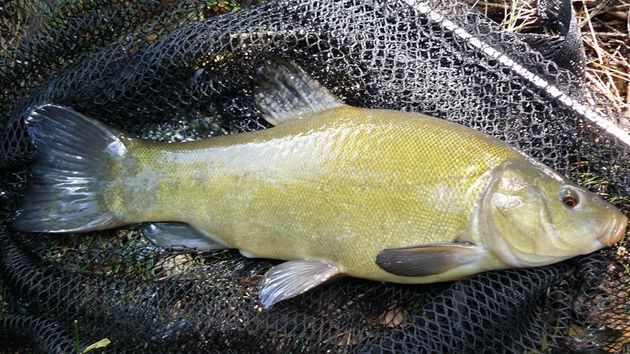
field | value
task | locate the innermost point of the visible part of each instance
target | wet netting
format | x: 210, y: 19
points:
x: 181, y: 70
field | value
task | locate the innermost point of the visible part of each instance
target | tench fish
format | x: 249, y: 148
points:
x: 332, y: 189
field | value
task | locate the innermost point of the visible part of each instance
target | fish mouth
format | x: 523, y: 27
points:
x: 615, y: 232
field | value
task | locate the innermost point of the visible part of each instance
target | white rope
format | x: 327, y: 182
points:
x: 538, y: 81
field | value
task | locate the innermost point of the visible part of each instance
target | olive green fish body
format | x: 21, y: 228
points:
x: 338, y: 186
x: 331, y: 189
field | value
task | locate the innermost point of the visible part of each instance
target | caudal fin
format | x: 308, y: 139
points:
x: 70, y: 172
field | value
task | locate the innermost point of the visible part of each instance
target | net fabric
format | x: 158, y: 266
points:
x: 174, y: 71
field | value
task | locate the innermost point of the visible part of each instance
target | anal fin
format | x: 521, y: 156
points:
x: 418, y: 261
x: 292, y: 278
x: 173, y: 234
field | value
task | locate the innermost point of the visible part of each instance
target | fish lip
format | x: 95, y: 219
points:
x: 614, y: 233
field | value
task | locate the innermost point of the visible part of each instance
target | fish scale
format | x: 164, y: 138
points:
x: 331, y: 189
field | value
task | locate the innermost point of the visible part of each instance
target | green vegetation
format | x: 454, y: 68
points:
x: 100, y: 344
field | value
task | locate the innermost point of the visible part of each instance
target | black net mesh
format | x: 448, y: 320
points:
x: 174, y: 70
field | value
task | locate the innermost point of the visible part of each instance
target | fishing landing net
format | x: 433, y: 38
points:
x: 174, y: 71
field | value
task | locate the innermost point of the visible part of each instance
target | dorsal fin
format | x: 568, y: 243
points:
x: 286, y: 92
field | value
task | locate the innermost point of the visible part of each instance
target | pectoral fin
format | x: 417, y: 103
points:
x: 292, y: 278
x: 173, y: 234
x: 418, y: 261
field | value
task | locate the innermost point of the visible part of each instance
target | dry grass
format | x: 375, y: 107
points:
x: 605, y: 27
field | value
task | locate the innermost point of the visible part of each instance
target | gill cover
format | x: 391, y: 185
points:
x: 536, y: 217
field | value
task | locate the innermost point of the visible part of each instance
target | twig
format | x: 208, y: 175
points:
x: 593, y: 13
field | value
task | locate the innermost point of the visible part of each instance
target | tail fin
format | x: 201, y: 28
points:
x: 70, y: 172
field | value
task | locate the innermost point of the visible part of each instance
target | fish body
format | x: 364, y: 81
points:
x: 332, y: 189
x: 328, y: 188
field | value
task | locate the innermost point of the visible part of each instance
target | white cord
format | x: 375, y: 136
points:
x: 538, y: 81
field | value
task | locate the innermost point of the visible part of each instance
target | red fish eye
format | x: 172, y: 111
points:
x: 569, y: 198
x: 570, y: 201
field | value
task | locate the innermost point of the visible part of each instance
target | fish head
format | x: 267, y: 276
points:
x: 535, y: 217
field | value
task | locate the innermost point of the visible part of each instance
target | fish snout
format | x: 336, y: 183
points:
x: 615, y: 232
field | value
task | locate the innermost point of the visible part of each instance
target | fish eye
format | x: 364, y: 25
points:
x: 569, y: 198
